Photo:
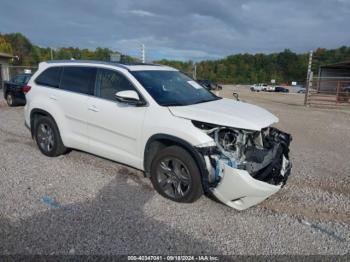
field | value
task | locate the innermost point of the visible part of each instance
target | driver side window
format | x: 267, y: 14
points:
x: 109, y: 82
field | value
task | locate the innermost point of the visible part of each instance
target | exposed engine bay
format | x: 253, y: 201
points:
x: 264, y: 154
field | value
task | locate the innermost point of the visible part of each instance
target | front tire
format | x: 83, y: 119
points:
x: 175, y: 175
x: 47, y: 137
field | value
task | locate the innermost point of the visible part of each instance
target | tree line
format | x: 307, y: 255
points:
x: 29, y: 54
x: 285, y: 66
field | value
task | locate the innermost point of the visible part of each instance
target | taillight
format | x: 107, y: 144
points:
x: 26, y: 89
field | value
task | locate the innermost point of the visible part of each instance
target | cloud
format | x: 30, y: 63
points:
x: 141, y: 13
x: 245, y: 7
x: 181, y: 29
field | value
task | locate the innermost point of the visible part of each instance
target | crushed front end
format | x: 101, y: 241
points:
x: 245, y: 167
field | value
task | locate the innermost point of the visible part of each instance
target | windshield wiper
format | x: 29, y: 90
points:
x: 204, y: 101
x: 172, y: 104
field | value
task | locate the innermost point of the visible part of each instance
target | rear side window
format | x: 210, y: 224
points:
x: 50, y: 77
x: 19, y: 79
x: 110, y: 82
x: 78, y: 79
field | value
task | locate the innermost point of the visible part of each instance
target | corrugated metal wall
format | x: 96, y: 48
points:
x: 4, y: 71
x: 330, y: 77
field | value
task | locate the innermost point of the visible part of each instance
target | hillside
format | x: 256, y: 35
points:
x: 285, y: 66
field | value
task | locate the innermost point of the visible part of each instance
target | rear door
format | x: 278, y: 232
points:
x: 114, y: 128
x: 64, y: 91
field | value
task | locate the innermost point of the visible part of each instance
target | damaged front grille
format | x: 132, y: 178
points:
x: 263, y: 154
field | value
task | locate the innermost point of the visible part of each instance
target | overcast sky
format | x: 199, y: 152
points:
x: 181, y: 29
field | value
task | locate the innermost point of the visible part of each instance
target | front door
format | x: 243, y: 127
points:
x: 114, y: 128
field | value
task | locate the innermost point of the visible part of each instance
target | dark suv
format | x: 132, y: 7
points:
x: 15, y: 88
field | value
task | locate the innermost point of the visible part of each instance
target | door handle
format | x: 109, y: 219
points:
x: 52, y: 97
x: 93, y: 108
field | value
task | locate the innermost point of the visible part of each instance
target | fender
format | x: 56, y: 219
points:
x: 186, y: 145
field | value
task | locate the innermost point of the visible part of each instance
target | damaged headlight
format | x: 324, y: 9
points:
x: 263, y: 154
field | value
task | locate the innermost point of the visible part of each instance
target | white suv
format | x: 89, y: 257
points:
x: 156, y: 119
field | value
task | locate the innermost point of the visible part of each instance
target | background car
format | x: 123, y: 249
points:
x: 346, y: 89
x: 262, y: 87
x: 269, y: 88
x: 299, y: 89
x: 256, y: 88
x: 15, y: 88
x: 344, y: 94
x: 281, y: 89
x: 209, y: 85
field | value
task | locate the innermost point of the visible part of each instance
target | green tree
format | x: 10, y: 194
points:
x: 5, y: 47
x: 22, y: 48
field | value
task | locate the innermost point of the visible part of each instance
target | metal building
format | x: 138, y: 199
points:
x: 331, y: 86
x: 334, y: 76
x: 4, y: 67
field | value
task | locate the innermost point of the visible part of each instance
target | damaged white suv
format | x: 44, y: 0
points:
x: 156, y: 119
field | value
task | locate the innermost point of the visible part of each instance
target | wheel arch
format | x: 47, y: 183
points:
x: 159, y: 141
x: 37, y: 111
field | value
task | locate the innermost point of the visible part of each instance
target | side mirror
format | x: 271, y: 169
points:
x: 236, y: 96
x: 130, y: 97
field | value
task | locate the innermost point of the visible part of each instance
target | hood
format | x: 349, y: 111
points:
x: 227, y: 112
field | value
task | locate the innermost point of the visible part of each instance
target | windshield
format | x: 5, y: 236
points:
x: 172, y: 88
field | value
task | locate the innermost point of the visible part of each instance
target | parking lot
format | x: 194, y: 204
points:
x: 102, y: 207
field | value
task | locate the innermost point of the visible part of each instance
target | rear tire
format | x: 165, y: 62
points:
x: 175, y: 175
x: 11, y: 99
x: 47, y: 137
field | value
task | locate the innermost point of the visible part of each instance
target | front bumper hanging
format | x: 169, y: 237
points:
x: 238, y: 189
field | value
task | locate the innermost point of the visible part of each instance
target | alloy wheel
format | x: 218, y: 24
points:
x: 173, y: 177
x: 45, y: 137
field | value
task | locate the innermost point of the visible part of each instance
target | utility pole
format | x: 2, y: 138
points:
x: 195, y: 71
x: 143, y: 53
x: 308, y: 78
x: 51, y: 53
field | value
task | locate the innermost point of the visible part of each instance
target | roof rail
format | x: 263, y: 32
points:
x: 88, y: 62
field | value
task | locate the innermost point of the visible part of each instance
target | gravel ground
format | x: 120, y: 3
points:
x: 102, y: 207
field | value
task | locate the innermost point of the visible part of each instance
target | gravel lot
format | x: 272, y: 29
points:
x: 102, y: 207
